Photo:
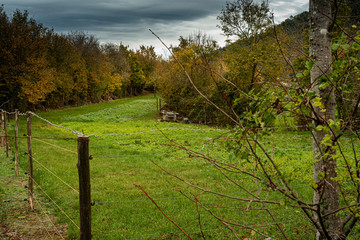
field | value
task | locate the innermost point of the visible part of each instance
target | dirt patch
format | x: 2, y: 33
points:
x: 16, y: 219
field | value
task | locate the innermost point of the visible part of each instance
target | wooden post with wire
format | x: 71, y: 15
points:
x: 31, y: 171
x: 6, y: 134
x: 16, y: 142
x: 84, y: 187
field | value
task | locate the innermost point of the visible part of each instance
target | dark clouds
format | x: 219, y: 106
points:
x: 128, y: 21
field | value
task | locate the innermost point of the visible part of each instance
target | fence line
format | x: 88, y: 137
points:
x: 31, y: 179
x: 46, y: 138
x: 55, y: 125
x: 49, y: 220
x: 55, y: 175
x: 56, y: 204
x: 56, y: 146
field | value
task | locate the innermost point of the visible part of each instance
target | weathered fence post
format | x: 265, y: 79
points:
x: 31, y: 171
x: 6, y: 134
x: 84, y: 187
x: 16, y: 142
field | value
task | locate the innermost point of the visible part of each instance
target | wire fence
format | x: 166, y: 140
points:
x: 101, y: 158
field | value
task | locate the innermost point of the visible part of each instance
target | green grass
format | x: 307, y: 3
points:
x: 124, y: 137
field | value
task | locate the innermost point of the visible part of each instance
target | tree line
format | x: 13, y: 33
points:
x: 43, y: 69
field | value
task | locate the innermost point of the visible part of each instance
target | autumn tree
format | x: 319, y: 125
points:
x: 147, y: 59
x: 102, y: 77
x: 196, y: 53
x: 119, y: 56
x: 70, y: 72
x: 24, y: 70
x: 248, y: 22
x: 137, y: 77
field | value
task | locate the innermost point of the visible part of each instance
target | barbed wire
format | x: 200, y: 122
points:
x: 12, y: 113
x: 55, y: 125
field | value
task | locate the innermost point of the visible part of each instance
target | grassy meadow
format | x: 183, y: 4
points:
x: 124, y: 137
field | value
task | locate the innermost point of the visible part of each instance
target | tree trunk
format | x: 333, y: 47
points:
x: 326, y: 195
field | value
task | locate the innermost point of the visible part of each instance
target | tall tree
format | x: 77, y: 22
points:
x: 24, y: 70
x: 245, y: 19
x: 248, y: 22
x: 70, y: 77
x: 326, y: 196
x: 147, y: 58
x: 137, y: 77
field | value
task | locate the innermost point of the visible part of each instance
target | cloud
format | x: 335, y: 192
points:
x: 284, y: 9
x: 87, y: 13
x: 128, y: 21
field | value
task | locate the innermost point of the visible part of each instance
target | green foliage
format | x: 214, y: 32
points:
x: 245, y: 18
x: 195, y: 53
x: 137, y: 77
x: 346, y: 73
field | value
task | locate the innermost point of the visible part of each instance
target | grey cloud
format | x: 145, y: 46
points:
x: 129, y: 20
x: 90, y: 13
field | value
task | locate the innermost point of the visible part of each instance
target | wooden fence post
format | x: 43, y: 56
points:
x: 84, y: 187
x: 6, y: 134
x: 16, y: 142
x: 31, y: 183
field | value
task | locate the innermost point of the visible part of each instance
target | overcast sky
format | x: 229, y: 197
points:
x: 128, y: 21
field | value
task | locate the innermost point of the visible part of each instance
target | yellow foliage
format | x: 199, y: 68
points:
x: 37, y: 81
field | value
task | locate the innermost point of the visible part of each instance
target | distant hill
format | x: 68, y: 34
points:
x: 298, y: 23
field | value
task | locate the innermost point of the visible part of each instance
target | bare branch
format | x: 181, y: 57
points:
x: 157, y: 206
